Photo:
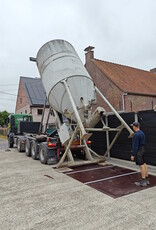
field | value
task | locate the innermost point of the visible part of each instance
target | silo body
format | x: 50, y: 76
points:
x: 57, y: 61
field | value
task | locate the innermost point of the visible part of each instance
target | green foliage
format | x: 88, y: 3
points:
x: 4, y: 118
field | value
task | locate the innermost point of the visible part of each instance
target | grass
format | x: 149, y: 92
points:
x: 2, y: 136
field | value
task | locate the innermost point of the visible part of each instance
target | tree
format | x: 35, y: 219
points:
x: 4, y: 118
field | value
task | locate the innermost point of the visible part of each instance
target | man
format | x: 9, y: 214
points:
x: 137, y: 154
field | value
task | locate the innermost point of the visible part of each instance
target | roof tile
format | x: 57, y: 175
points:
x: 129, y: 79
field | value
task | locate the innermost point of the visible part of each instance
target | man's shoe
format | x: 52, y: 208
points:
x: 147, y: 181
x: 141, y: 183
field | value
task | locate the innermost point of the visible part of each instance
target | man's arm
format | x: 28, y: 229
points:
x: 135, y: 143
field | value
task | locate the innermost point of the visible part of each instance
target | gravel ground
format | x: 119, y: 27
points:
x: 3, y: 144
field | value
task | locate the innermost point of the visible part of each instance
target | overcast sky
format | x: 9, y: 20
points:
x: 122, y: 31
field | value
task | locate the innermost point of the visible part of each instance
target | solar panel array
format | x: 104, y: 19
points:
x: 34, y: 90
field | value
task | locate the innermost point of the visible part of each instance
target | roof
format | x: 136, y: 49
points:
x: 129, y: 79
x: 34, y: 90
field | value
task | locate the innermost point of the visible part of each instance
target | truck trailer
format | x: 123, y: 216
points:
x: 71, y: 94
x: 47, y: 147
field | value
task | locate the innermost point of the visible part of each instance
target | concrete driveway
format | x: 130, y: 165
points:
x: 31, y: 199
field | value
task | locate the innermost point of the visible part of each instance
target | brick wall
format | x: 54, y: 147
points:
x: 24, y: 110
x: 22, y: 106
x: 109, y: 90
x: 135, y: 103
x: 37, y: 117
x: 22, y: 100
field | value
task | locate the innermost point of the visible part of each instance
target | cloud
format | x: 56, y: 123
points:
x: 122, y: 32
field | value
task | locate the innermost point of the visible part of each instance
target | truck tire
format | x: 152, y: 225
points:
x: 34, y: 150
x: 43, y: 154
x: 10, y: 144
x: 19, y: 145
x: 28, y: 148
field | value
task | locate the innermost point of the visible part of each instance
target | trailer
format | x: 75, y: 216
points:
x: 46, y: 145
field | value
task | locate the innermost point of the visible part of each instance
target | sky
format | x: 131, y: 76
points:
x: 121, y: 31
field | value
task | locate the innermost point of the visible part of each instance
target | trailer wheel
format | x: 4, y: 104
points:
x: 34, y: 150
x: 19, y: 145
x: 10, y: 144
x: 27, y: 148
x: 43, y: 154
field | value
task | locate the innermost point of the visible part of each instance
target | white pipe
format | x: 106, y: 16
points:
x: 95, y: 117
x: 107, y: 138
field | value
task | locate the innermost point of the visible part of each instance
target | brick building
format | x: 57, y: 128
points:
x: 31, y: 98
x: 128, y: 89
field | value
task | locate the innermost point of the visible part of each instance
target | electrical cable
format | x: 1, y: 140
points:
x: 7, y: 99
x: 8, y: 85
x: 11, y: 94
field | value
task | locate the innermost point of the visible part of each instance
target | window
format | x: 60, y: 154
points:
x: 51, y: 126
x: 25, y: 111
x: 27, y: 118
x: 39, y: 111
x: 20, y: 100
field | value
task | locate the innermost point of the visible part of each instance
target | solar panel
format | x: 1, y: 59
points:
x: 35, y: 90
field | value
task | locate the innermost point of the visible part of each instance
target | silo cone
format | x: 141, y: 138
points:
x: 60, y: 67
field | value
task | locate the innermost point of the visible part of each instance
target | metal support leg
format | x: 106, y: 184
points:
x: 107, y: 138
x: 47, y: 120
x: 113, y: 141
x: 43, y: 112
x: 68, y: 147
x: 97, y: 155
x: 136, y: 117
x: 104, y: 125
x: 85, y: 135
x: 70, y: 157
x: 115, y: 112
x: 57, y: 118
x: 89, y: 156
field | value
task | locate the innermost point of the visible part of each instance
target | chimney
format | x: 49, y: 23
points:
x: 153, y: 70
x: 89, y: 53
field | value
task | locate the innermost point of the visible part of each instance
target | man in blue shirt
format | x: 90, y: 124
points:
x: 137, y: 154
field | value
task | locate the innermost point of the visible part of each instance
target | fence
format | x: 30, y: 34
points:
x: 3, y: 132
x: 123, y: 146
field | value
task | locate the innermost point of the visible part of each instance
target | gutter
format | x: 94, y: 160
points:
x: 141, y: 94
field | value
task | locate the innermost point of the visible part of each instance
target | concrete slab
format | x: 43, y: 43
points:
x: 30, y: 200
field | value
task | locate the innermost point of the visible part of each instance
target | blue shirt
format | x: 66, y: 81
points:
x: 138, y: 141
